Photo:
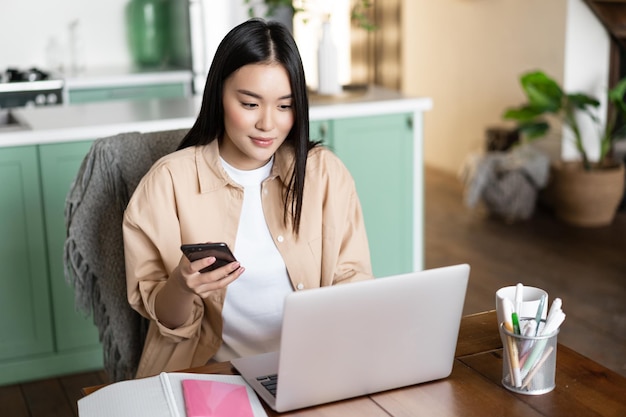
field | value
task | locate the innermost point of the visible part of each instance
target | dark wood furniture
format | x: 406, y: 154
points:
x: 583, y: 387
x: 612, y: 15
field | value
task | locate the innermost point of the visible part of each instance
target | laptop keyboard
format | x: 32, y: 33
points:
x: 269, y: 382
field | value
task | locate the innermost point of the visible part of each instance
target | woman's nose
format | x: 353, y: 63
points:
x: 266, y: 120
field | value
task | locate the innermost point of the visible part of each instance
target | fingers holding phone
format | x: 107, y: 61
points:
x: 220, y: 251
x: 218, y: 267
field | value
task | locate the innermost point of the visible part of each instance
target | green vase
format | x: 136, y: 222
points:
x: 148, y: 31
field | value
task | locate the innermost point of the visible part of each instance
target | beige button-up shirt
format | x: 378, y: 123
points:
x: 187, y: 197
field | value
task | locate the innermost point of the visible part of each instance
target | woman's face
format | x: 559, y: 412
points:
x: 257, y: 114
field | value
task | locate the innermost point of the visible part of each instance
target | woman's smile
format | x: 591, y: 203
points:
x: 259, y: 141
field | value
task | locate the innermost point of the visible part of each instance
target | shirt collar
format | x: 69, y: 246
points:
x: 211, y: 173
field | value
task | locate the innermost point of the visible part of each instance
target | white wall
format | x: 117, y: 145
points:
x: 26, y: 27
x: 587, y: 47
x: 468, y: 55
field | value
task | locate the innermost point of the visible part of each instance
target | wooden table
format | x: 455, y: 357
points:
x: 583, y: 387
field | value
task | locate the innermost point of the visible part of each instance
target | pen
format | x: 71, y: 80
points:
x: 507, y: 307
x: 533, y: 356
x: 532, y: 373
x: 556, y: 306
x: 519, y: 298
x: 542, y: 304
x: 530, y: 330
x: 538, y: 348
x: 516, y: 328
x: 516, y: 377
x: 553, y: 323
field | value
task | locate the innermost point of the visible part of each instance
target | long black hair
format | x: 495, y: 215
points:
x: 258, y: 41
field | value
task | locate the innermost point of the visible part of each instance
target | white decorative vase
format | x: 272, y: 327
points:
x: 327, y: 62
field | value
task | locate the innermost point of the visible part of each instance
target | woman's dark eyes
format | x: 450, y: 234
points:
x: 254, y: 105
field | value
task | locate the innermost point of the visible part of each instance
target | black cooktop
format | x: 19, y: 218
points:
x: 32, y: 86
x: 14, y: 75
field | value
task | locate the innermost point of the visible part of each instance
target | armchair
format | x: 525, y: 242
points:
x: 94, y: 250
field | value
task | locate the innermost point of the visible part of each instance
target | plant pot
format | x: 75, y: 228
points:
x: 585, y: 198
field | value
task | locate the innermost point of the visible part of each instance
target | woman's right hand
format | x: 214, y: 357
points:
x: 189, y: 277
x: 174, y: 302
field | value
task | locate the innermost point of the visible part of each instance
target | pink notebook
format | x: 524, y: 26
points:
x: 215, y: 399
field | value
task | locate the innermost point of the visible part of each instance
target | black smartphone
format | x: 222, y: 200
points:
x: 221, y: 252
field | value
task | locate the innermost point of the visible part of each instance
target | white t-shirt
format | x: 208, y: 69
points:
x: 253, y: 309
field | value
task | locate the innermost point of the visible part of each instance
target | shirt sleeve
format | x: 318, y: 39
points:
x: 152, y: 249
x: 343, y: 218
x: 353, y: 262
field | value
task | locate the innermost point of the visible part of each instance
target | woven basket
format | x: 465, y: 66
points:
x: 585, y: 198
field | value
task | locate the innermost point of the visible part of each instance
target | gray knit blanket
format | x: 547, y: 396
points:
x: 94, y: 248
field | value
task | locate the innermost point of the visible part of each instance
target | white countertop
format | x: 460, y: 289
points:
x: 95, y: 120
x: 119, y: 77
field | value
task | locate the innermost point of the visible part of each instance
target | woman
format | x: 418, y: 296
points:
x: 246, y: 174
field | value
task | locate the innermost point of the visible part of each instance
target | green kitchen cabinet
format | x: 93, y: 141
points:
x: 378, y: 152
x: 25, y: 326
x: 42, y: 333
x: 59, y: 164
x: 136, y: 92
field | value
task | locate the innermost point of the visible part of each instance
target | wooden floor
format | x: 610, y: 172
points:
x: 586, y: 268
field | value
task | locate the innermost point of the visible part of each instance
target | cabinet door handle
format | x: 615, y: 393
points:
x: 323, y: 131
x: 409, y: 122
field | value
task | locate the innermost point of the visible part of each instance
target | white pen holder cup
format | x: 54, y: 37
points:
x: 528, y: 362
x: 530, y: 301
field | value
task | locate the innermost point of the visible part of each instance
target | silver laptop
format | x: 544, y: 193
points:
x: 360, y: 338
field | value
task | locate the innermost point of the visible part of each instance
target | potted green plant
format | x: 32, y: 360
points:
x: 584, y: 192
